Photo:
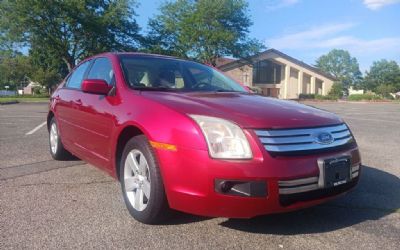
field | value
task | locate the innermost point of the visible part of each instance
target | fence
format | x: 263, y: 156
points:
x: 7, y: 92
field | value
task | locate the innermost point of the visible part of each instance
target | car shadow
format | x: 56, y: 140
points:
x: 377, y: 195
x: 73, y: 158
x: 181, y: 218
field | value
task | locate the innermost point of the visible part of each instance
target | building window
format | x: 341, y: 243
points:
x: 246, y: 78
x: 273, y: 92
x: 266, y: 72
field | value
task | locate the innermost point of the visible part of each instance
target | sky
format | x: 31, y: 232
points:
x: 307, y: 29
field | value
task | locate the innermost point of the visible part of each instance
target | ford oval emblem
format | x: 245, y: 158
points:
x: 324, y: 138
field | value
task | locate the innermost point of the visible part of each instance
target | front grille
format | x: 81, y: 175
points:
x: 302, y: 185
x: 304, y: 140
x: 289, y: 199
x: 298, y: 185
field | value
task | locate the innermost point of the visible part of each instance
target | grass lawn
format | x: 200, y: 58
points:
x: 23, y: 99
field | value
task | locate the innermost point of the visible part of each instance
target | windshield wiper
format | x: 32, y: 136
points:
x: 226, y: 90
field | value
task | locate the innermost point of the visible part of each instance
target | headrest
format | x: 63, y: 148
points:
x: 168, y: 76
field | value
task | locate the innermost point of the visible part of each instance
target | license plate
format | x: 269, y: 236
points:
x: 337, y: 171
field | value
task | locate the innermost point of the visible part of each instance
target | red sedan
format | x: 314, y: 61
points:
x: 180, y: 135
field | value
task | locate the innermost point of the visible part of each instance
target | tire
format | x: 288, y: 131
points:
x: 141, y: 182
x: 57, y: 150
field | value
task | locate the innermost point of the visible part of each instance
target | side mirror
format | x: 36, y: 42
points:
x: 96, y: 86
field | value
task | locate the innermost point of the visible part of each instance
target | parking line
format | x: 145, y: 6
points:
x: 36, y: 128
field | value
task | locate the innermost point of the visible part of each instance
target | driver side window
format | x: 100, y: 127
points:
x: 75, y: 80
x: 102, y: 69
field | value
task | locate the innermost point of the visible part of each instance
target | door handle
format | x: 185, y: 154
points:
x: 79, y: 101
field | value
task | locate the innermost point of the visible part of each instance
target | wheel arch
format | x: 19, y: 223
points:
x: 124, y: 136
x: 50, y: 116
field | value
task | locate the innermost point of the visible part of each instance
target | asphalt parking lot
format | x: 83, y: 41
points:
x: 46, y: 204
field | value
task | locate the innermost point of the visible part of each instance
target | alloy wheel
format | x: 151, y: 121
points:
x: 53, y: 138
x: 137, y: 180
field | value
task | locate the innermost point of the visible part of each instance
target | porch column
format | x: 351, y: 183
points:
x: 287, y: 80
x: 312, y: 84
x: 300, y: 82
x: 323, y: 88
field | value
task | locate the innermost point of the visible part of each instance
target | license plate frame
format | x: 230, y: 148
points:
x: 337, y: 171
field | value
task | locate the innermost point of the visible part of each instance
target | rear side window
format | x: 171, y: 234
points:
x: 75, y: 80
x: 102, y: 69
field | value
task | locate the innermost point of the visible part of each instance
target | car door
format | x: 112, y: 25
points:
x: 68, y: 101
x: 96, y: 116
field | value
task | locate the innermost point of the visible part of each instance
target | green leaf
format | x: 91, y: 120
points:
x: 203, y: 30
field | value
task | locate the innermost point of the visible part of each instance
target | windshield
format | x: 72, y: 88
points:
x: 149, y: 73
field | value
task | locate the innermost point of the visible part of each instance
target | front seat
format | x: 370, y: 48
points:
x: 166, y: 78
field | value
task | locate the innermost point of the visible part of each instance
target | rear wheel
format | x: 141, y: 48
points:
x: 57, y: 150
x: 141, y: 182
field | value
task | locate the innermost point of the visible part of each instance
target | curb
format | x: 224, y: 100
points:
x: 29, y: 102
x: 355, y: 102
x: 8, y: 103
x: 370, y: 102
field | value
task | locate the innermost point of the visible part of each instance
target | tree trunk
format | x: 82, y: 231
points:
x: 70, y: 63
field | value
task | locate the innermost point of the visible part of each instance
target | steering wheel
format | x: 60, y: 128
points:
x: 137, y: 84
x: 200, y: 85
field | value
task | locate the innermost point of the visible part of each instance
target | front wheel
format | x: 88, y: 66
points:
x: 57, y: 150
x: 141, y: 182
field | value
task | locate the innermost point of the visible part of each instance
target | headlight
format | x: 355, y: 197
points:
x: 225, y: 139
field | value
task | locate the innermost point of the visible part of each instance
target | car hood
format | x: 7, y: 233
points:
x: 247, y: 110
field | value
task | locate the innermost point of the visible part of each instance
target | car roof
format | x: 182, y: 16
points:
x: 137, y: 54
x: 141, y: 54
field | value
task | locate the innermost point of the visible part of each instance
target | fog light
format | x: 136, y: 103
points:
x: 241, y: 188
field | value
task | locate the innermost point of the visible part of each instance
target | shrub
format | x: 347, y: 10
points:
x: 326, y: 97
x: 29, y: 96
x: 364, y: 97
x: 317, y: 97
x: 385, y: 90
x: 336, y: 90
x: 256, y: 89
x: 307, y: 96
x: 390, y: 97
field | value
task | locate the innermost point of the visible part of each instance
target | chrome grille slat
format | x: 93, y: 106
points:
x: 305, y: 131
x: 294, y: 186
x: 356, y: 167
x: 341, y: 134
x: 298, y: 185
x: 292, y: 140
x: 305, y: 147
x: 298, y: 189
x: 281, y: 140
x: 289, y: 183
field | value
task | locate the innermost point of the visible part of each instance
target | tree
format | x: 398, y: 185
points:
x: 46, y: 77
x: 383, y: 72
x: 204, y: 30
x: 70, y: 30
x: 48, y: 70
x: 336, y: 90
x: 15, y: 69
x: 5, y: 45
x: 384, y: 90
x: 341, y: 65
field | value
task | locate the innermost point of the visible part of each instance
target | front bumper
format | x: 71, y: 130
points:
x: 190, y: 178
